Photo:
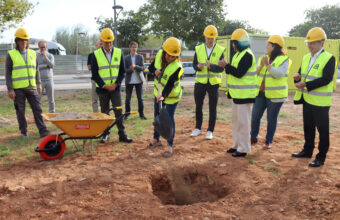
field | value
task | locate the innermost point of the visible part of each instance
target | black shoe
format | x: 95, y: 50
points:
x: 143, y: 117
x: 125, y: 138
x: 316, y: 163
x: 302, y: 154
x: 105, y: 138
x: 238, y: 154
x: 231, y: 150
x: 44, y: 134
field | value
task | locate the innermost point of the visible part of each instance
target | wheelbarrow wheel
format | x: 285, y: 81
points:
x: 48, y: 143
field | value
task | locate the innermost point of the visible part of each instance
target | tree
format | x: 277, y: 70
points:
x: 130, y: 28
x: 231, y: 25
x: 70, y: 38
x: 184, y: 19
x: 326, y: 17
x: 12, y: 12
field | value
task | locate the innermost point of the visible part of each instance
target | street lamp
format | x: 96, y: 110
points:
x: 77, y: 52
x: 115, y: 16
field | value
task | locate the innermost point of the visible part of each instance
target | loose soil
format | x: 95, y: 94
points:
x: 200, y: 181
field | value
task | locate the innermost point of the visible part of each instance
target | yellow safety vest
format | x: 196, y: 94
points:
x: 274, y: 88
x: 176, y: 92
x: 205, y: 75
x: 321, y: 96
x: 246, y: 86
x: 23, y: 74
x: 108, y: 72
x: 158, y: 66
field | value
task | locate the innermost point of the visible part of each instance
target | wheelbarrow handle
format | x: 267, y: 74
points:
x: 114, y: 108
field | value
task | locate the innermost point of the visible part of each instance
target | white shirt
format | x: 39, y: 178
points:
x: 108, y: 55
x: 135, y: 79
x: 313, y: 58
x: 209, y: 50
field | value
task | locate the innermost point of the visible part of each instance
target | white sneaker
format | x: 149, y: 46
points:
x: 209, y: 135
x: 195, y: 132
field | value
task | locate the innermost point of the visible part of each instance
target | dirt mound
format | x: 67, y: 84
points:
x: 74, y: 116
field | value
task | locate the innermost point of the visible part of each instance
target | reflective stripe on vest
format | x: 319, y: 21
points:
x: 246, y: 86
x: 158, y: 66
x: 274, y: 88
x: 108, y: 71
x: 23, y: 74
x: 204, y: 75
x: 321, y: 96
x: 176, y: 93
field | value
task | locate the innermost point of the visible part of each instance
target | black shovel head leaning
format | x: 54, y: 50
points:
x: 163, y: 124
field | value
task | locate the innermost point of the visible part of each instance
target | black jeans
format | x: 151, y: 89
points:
x: 316, y: 116
x: 116, y: 100
x: 199, y: 94
x: 33, y: 99
x: 139, y: 92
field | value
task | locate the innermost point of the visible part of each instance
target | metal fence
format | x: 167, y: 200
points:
x: 69, y: 64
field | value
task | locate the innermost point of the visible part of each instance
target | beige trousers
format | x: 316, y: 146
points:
x: 241, y: 127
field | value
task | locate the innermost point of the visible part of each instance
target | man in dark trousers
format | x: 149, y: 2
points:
x: 108, y: 73
x: 134, y: 67
x: 314, y: 83
x: 23, y: 82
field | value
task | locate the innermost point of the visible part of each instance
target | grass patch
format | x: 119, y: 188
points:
x: 273, y: 170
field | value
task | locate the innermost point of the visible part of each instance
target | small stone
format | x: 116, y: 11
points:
x: 274, y: 161
x: 289, y: 180
x: 282, y: 210
x: 324, y: 193
x: 54, y: 194
x: 312, y: 198
x: 18, y: 188
x: 205, y: 218
x: 82, y: 179
x: 223, y: 165
x: 316, y: 182
x: 107, y: 190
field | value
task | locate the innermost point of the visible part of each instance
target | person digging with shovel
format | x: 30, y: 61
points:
x: 168, y: 92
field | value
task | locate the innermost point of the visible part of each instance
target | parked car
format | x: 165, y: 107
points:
x: 188, y: 69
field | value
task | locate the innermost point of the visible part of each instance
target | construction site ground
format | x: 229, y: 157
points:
x: 200, y: 180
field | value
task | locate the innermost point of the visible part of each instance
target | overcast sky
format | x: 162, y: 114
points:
x: 275, y: 17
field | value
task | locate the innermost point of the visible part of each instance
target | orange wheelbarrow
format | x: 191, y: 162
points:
x: 53, y: 146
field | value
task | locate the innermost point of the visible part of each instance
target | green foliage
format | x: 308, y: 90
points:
x: 171, y: 18
x: 12, y: 12
x: 326, y: 17
x: 130, y: 28
x: 231, y: 25
x: 69, y: 37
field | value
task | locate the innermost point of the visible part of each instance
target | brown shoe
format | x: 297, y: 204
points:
x: 253, y: 141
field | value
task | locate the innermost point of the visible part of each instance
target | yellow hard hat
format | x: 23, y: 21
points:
x: 107, y: 35
x: 210, y: 31
x: 22, y: 34
x: 276, y: 39
x: 172, y: 46
x: 316, y: 34
x: 240, y: 35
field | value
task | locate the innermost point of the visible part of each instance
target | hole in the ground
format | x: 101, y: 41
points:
x: 178, y: 187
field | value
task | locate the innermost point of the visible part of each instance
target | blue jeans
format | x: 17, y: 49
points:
x: 273, y: 109
x: 171, y: 110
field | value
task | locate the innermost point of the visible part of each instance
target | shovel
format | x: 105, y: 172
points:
x: 163, y: 122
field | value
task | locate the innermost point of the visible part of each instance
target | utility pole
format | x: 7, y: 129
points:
x: 80, y: 34
x: 115, y: 16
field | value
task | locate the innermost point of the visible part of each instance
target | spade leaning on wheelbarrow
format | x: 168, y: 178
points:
x: 167, y: 92
x: 53, y: 146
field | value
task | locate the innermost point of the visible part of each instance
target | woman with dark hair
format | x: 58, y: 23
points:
x: 170, y: 86
x: 272, y: 70
x: 242, y: 88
